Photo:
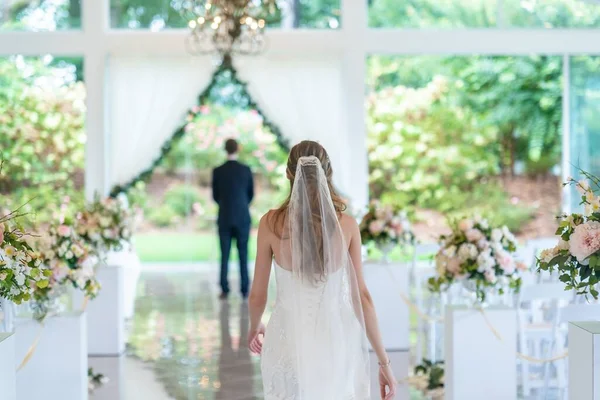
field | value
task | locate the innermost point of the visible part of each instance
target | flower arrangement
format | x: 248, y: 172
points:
x: 476, y: 253
x: 106, y: 225
x: 428, y: 378
x: 70, y: 258
x: 385, y: 225
x: 21, y: 268
x: 576, y: 257
x: 95, y: 380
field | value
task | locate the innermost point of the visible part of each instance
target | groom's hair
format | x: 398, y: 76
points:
x: 231, y: 146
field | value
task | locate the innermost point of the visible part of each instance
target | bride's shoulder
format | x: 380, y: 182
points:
x: 348, y: 222
x: 267, y: 221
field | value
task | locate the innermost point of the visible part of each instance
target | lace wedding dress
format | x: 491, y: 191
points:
x: 315, y: 345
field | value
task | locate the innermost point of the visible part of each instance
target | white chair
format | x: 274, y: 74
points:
x: 538, y: 322
x: 422, y: 268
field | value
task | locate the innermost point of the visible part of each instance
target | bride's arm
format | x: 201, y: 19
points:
x: 368, y: 308
x: 257, y: 300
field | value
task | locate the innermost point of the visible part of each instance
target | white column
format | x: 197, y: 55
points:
x: 566, y: 133
x: 354, y: 27
x: 95, y: 16
x: 584, y: 360
x: 8, y: 378
x: 478, y: 364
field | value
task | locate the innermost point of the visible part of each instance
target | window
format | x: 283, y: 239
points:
x: 552, y: 13
x: 42, y: 136
x: 42, y: 15
x: 157, y: 15
x: 585, y: 121
x: 432, y: 13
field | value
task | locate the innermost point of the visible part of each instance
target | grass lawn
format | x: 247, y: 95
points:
x: 183, y: 247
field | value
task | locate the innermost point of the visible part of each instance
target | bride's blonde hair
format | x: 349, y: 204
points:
x: 306, y: 148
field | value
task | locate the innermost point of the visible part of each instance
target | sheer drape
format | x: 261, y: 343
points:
x: 304, y: 97
x: 149, y: 97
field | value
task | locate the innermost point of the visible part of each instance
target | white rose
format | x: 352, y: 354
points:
x: 20, y: 278
x: 69, y: 255
x: 496, y: 235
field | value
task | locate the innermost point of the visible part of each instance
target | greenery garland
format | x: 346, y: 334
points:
x: 225, y: 68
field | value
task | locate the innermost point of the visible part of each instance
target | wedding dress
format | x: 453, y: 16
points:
x: 315, y: 345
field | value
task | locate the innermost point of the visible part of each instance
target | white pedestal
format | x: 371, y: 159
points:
x: 8, y: 377
x: 584, y: 360
x: 133, y: 268
x: 387, y: 282
x: 58, y: 368
x: 478, y: 365
x: 400, y: 367
x: 106, y: 313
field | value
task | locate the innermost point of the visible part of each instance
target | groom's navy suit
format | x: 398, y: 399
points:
x: 233, y: 190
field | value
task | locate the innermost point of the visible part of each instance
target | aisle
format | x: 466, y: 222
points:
x: 184, y: 342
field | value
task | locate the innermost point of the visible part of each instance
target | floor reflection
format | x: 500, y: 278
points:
x: 194, y: 343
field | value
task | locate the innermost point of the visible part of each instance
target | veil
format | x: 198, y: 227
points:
x: 328, y: 332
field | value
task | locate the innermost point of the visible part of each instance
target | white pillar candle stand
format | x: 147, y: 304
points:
x: 8, y: 378
x: 58, y: 367
x: 129, y: 259
x: 387, y: 283
x: 106, y: 313
x: 478, y: 365
x: 584, y: 360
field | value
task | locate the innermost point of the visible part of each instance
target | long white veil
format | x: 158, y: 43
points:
x: 328, y: 325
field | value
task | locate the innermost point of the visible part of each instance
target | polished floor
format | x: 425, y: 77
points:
x: 185, y: 344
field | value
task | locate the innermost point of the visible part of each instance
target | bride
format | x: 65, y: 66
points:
x: 315, y: 346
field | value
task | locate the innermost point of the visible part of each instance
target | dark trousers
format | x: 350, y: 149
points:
x: 241, y: 235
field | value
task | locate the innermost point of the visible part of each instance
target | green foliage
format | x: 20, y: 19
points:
x: 423, y: 149
x: 41, y: 136
x: 181, y: 199
x: 162, y: 216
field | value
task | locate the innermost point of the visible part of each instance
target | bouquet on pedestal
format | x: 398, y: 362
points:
x: 479, y: 256
x: 576, y: 257
x: 106, y: 225
x: 386, y: 226
x: 428, y: 378
x: 21, y: 270
x: 71, y: 261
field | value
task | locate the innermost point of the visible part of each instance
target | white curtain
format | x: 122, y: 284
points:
x: 149, y: 97
x: 304, y: 97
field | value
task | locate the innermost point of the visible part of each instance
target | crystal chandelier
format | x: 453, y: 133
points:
x: 227, y: 27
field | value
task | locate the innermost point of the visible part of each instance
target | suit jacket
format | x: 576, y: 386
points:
x: 233, y: 190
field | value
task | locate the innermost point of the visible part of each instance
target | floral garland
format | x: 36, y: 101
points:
x: 225, y: 70
x: 21, y: 268
x: 477, y: 253
x: 106, y: 225
x: 385, y: 224
x: 577, y: 255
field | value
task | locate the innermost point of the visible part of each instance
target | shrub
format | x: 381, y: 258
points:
x: 162, y: 216
x: 181, y: 199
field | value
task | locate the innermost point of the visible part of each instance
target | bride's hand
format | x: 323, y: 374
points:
x: 254, y: 340
x: 387, y: 382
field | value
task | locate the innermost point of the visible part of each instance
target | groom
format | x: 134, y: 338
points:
x: 233, y: 190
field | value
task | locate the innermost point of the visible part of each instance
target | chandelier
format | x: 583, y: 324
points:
x: 227, y: 27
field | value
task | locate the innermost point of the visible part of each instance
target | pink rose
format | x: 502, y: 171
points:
x: 453, y: 266
x: 474, y: 235
x: 490, y: 276
x: 506, y: 262
x: 465, y: 225
x: 376, y: 227
x: 63, y: 230
x: 585, y: 241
